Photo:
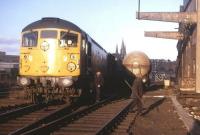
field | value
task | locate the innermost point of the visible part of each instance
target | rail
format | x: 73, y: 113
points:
x: 52, y: 126
x: 7, y: 108
x: 116, y: 119
x: 22, y: 111
x: 18, y: 112
x: 46, y: 119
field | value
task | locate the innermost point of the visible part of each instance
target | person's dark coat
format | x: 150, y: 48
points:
x: 137, y: 92
x: 98, y: 84
x: 137, y: 87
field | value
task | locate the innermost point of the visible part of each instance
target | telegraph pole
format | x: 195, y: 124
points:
x: 138, y: 14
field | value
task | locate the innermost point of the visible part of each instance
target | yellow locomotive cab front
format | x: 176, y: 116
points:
x: 50, y: 53
x: 50, y: 66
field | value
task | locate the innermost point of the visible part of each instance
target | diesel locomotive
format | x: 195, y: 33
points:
x: 57, y: 58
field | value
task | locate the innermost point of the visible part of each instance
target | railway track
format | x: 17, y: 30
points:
x: 127, y: 125
x: 4, y: 109
x: 4, y: 92
x: 105, y: 117
x: 18, y: 118
x: 11, y: 99
x: 99, y: 118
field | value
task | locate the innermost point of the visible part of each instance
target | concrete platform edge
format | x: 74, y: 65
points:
x: 191, y: 125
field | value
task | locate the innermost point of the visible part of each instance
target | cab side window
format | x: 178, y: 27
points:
x: 68, y: 39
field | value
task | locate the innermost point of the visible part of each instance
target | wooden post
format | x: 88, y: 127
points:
x: 164, y: 34
x: 183, y: 17
x: 198, y: 49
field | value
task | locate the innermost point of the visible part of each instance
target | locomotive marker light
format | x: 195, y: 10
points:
x: 44, y: 46
x: 73, y: 56
x: 71, y: 66
x: 24, y: 81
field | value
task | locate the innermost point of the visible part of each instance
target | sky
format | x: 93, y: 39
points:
x: 108, y: 22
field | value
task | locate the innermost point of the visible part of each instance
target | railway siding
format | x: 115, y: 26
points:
x: 101, y: 118
x: 21, y: 117
x: 95, y: 119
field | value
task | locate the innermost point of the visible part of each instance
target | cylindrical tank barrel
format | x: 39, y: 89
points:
x: 138, y: 63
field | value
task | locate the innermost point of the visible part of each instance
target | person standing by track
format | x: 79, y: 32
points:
x: 137, y: 92
x: 98, y: 85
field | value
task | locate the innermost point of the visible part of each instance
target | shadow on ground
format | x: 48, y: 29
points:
x: 152, y: 106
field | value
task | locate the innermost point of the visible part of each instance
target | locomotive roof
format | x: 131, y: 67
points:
x: 50, y: 22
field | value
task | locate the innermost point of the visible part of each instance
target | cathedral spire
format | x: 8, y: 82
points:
x: 116, y: 52
x: 123, y: 50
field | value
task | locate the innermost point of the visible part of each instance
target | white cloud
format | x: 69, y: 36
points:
x: 9, y: 45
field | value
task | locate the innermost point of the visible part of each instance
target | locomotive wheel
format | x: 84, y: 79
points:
x: 38, y: 98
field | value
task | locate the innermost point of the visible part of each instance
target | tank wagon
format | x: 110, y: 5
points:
x: 138, y: 63
x: 57, y: 58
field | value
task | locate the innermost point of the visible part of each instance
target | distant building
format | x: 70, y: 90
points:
x: 116, y: 51
x: 122, y: 54
x: 8, y: 62
x: 162, y: 69
x: 123, y: 50
x: 9, y: 65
